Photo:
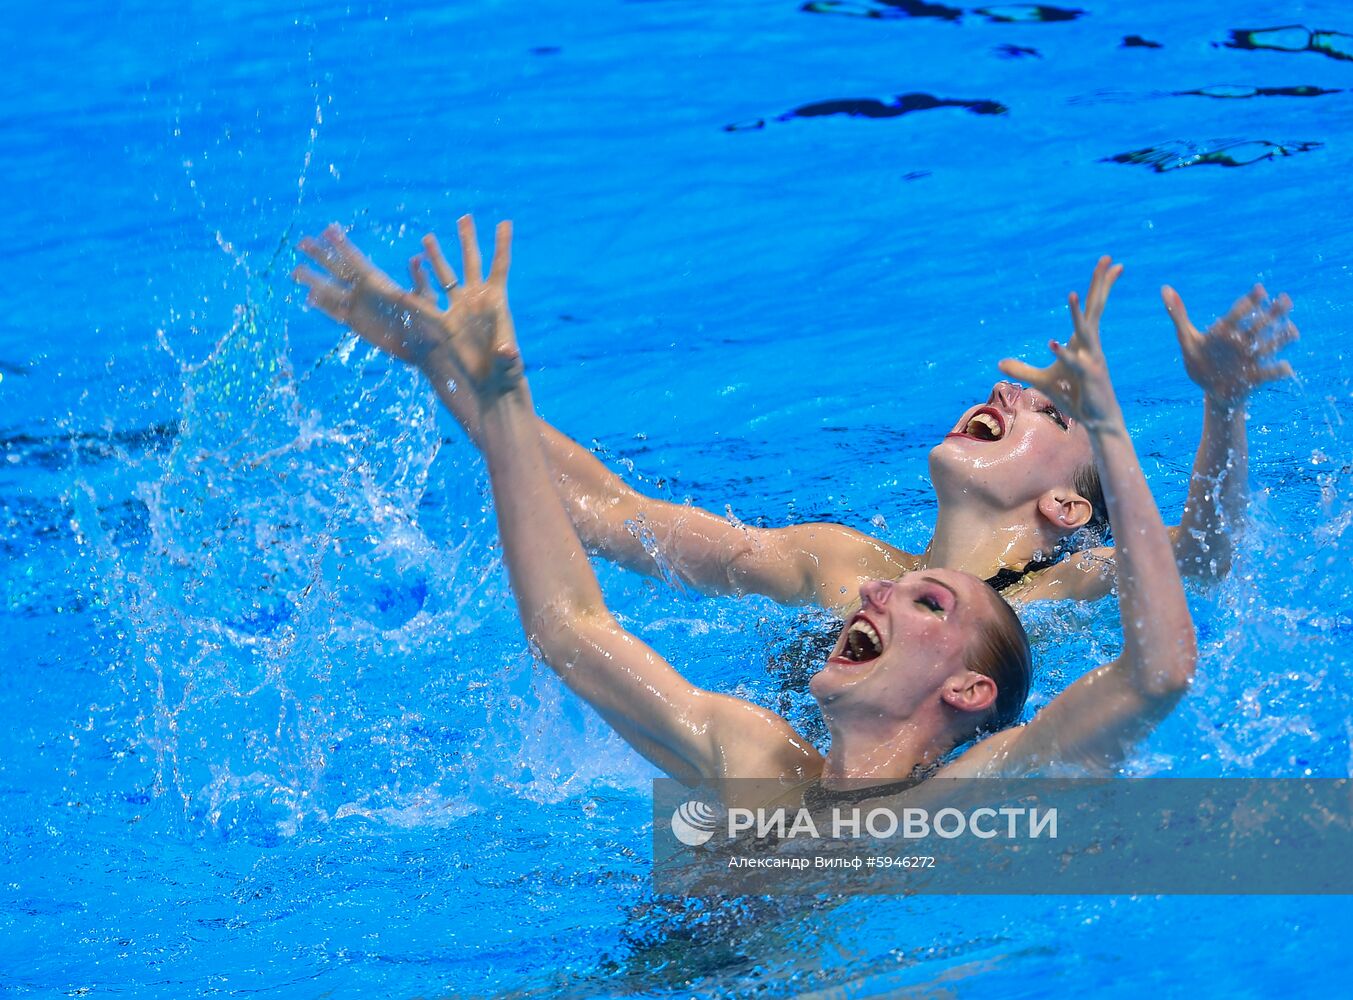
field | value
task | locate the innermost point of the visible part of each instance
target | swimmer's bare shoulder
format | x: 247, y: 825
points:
x: 758, y: 753
x: 987, y: 758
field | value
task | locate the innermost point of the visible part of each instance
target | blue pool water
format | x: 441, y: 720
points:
x: 271, y: 726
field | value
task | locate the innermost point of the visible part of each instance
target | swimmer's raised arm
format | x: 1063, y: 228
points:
x: 802, y: 564
x: 818, y: 563
x: 1097, y: 720
x: 693, y: 735
x: 1229, y: 361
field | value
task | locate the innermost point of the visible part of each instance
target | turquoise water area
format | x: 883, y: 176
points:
x: 272, y: 727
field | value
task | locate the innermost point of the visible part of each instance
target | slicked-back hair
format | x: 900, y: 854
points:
x: 1087, y: 484
x: 1001, y: 652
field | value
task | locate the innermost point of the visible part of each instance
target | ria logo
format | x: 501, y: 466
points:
x: 694, y: 823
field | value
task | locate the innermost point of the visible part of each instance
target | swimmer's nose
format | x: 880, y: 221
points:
x: 875, y: 593
x: 1005, y: 395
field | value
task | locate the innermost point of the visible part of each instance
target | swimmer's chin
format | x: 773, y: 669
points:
x: 837, y: 678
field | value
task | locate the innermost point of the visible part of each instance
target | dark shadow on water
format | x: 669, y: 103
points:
x: 883, y: 10
x: 870, y: 107
x: 1231, y: 92
x: 63, y: 449
x: 1027, y: 13
x: 887, y: 10
x: 1222, y: 153
x: 794, y: 656
x: 1016, y: 52
x: 1293, y: 38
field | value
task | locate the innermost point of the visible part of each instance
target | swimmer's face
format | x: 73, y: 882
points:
x: 909, y: 638
x: 1010, y: 450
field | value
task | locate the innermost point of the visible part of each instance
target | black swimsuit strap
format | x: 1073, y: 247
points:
x: 1005, y: 578
x: 815, y: 796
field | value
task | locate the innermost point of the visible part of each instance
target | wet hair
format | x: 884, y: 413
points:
x: 1001, y: 652
x: 1087, y: 484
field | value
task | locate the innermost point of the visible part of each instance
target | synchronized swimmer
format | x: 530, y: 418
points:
x: 1015, y: 481
x: 931, y: 658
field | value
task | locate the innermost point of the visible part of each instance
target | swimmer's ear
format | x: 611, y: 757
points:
x: 969, y: 692
x: 1065, y: 510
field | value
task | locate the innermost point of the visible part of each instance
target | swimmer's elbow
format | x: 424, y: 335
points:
x: 1172, y: 678
x: 771, y: 562
x: 1174, y: 685
x: 1203, y: 557
x: 558, y: 628
x: 1206, y: 568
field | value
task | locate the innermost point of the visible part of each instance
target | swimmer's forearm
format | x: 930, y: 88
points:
x: 460, y: 402
x: 692, y: 735
x: 801, y: 564
x: 625, y: 527
x: 1215, y: 507
x: 1158, y: 640
x: 601, y: 505
x: 551, y: 577
x: 1097, y: 720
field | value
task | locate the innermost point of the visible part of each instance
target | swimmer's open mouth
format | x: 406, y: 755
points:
x: 862, y: 642
x: 986, y: 423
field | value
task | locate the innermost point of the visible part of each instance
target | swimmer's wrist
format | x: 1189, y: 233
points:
x: 1111, y: 425
x: 1225, y: 407
x: 437, y: 365
x: 507, y: 404
x: 1100, y: 413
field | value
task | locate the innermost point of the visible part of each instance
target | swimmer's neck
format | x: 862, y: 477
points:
x: 862, y: 755
x: 981, y: 541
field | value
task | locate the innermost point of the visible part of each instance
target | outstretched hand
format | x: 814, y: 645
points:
x: 1078, y: 380
x: 473, y: 335
x: 481, y: 342
x: 353, y: 291
x: 1234, y: 356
